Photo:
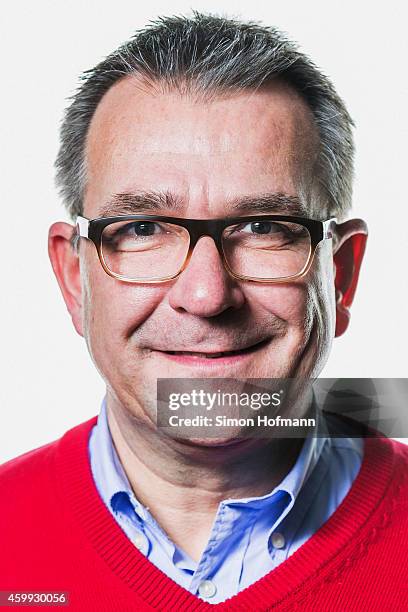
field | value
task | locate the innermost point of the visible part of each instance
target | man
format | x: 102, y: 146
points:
x: 203, y: 164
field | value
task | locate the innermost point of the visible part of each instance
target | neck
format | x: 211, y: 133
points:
x: 182, y: 483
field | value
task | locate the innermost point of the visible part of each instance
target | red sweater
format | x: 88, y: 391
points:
x: 56, y: 534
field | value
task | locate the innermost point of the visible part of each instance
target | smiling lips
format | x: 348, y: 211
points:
x: 218, y: 354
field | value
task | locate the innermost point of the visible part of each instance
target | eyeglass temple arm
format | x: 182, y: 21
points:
x: 328, y: 228
x: 83, y: 226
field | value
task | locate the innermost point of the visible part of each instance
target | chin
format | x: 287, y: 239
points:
x: 213, y: 443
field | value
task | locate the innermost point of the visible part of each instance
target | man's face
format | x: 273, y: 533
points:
x: 207, y: 155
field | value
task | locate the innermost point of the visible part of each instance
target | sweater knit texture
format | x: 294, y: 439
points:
x: 56, y: 534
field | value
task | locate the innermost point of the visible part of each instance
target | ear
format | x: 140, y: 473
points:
x: 349, y: 241
x: 65, y: 263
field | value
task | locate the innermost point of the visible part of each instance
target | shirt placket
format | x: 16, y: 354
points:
x: 229, y: 538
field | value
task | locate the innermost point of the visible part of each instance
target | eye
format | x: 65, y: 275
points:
x: 261, y: 227
x: 122, y: 234
x: 142, y: 228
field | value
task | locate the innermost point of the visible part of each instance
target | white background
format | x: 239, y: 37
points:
x: 48, y: 382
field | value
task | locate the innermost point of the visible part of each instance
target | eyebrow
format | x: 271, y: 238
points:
x: 141, y: 201
x: 129, y: 203
x: 269, y: 203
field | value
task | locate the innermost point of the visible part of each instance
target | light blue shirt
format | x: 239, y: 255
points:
x: 250, y: 536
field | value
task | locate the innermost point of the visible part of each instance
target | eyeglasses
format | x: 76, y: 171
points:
x: 154, y: 248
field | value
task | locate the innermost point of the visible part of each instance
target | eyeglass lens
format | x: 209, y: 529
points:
x: 154, y: 250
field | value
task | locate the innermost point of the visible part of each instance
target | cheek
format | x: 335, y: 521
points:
x: 306, y: 309
x: 113, y: 310
x: 290, y: 302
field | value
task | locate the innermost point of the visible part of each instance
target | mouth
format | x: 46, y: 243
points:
x: 200, y: 357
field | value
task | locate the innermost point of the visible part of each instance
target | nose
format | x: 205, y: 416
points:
x: 204, y: 288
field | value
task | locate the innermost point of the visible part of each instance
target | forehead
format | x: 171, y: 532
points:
x: 202, y: 152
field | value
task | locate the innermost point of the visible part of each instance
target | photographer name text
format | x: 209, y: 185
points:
x: 223, y: 421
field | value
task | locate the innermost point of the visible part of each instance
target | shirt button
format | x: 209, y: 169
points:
x: 278, y: 540
x: 141, y: 542
x: 207, y: 589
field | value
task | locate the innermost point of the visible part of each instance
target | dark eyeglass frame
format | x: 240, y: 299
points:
x: 92, y: 229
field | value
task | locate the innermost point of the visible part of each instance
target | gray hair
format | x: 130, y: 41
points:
x: 213, y: 55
